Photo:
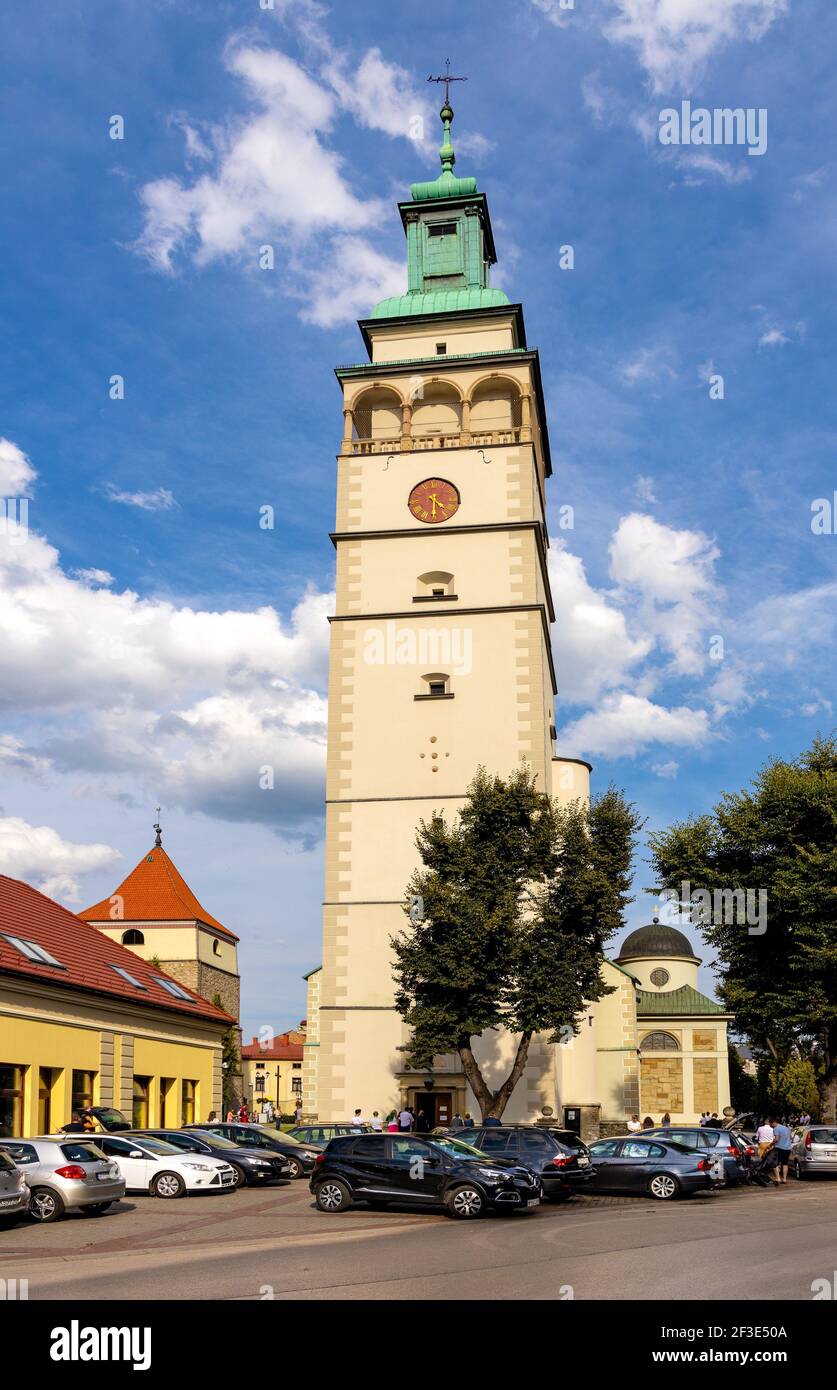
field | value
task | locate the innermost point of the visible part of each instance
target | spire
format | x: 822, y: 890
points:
x: 446, y: 185
x: 446, y: 152
x: 158, y: 843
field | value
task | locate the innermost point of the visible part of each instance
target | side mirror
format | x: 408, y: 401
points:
x: 137, y: 1153
x: 433, y: 1161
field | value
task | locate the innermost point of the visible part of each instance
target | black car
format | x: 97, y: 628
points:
x: 559, y: 1157
x: 264, y: 1138
x: 649, y: 1167
x: 422, y: 1171
x: 252, y: 1167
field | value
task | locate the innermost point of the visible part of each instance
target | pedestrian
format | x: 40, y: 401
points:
x: 76, y: 1125
x: 230, y: 1116
x: 633, y: 1125
x: 784, y: 1143
x: 456, y: 1122
x: 298, y: 1113
x: 244, y: 1118
x: 392, y: 1122
x: 212, y: 1117
x: 491, y: 1120
x: 376, y: 1122
x: 469, y: 1123
x: 713, y: 1119
x: 357, y: 1118
x: 665, y: 1122
x: 704, y: 1117
x: 423, y: 1125
x: 648, y: 1123
x: 405, y: 1119
x: 765, y: 1137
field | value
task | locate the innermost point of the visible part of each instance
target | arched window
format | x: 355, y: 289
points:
x: 436, y: 584
x: 377, y: 420
x: 437, y: 417
x: 216, y: 947
x: 436, y: 686
x: 132, y: 937
x: 495, y: 412
x: 659, y: 1042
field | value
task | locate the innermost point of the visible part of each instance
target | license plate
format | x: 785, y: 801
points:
x: 105, y: 1177
x: 535, y: 1202
x: 8, y: 1202
x: 583, y: 1162
x: 831, y: 1153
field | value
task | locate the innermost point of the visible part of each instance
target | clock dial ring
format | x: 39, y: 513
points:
x: 433, y: 501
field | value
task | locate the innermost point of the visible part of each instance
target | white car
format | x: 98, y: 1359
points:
x: 151, y: 1165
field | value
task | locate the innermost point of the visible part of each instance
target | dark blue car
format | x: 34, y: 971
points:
x: 655, y: 1167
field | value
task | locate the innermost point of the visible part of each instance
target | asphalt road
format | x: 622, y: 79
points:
x: 746, y: 1245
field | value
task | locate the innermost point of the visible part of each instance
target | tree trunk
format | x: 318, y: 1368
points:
x: 493, y: 1103
x: 828, y: 1083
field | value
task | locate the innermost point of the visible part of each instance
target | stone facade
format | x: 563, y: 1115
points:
x: 705, y: 1070
x: 661, y: 1084
x: 207, y: 981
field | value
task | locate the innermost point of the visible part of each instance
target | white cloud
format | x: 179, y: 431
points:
x: 705, y: 163
x: 593, y: 649
x: 39, y: 855
x: 625, y: 724
x: 381, y: 95
x: 16, y: 472
x: 555, y: 11
x: 649, y: 364
x: 673, y: 39
x: 94, y: 576
x: 667, y: 770
x: 644, y: 489
x: 161, y: 500
x: 353, y: 277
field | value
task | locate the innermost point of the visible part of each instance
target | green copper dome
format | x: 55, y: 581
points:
x: 447, y: 185
x: 439, y: 302
x: 655, y: 940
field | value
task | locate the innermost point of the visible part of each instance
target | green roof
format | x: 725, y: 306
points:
x: 684, y: 1000
x: 439, y: 301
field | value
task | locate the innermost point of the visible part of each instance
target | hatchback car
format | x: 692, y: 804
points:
x: 649, y: 1167
x: 814, y: 1150
x: 563, y: 1168
x: 14, y: 1191
x: 250, y: 1167
x: 723, y: 1143
x: 65, y: 1174
x: 411, y: 1169
x: 321, y: 1134
x: 151, y: 1165
x: 264, y: 1137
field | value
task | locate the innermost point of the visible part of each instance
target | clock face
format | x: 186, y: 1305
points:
x: 433, y: 501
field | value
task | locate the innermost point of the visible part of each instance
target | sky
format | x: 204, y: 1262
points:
x: 158, y: 387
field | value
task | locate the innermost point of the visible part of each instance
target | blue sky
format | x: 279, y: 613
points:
x: 157, y: 644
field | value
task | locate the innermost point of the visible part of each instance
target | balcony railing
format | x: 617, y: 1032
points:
x: 440, y: 439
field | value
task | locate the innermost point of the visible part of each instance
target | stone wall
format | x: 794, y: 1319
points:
x: 207, y: 981
x: 661, y: 1084
x: 706, y: 1084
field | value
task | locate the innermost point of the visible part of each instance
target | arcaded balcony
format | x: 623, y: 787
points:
x: 381, y: 422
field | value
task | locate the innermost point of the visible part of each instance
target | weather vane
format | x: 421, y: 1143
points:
x: 447, y: 79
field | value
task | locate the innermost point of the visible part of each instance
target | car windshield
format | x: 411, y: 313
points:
x: 154, y: 1146
x: 276, y: 1134
x: 82, y: 1153
x: 824, y: 1136
x: 217, y: 1141
x: 455, y: 1147
x: 111, y: 1119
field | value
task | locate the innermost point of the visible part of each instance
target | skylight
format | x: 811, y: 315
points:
x: 32, y: 951
x: 174, y: 989
x: 126, y: 975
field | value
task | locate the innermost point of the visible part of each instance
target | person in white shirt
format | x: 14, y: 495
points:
x: 405, y: 1119
x: 357, y: 1118
x: 633, y: 1125
x: 764, y: 1138
x: 376, y: 1121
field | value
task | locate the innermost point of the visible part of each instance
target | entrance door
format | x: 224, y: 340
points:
x: 437, y: 1106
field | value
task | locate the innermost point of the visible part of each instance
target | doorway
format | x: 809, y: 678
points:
x: 437, y: 1105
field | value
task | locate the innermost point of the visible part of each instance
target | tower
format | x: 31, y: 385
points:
x: 440, y: 656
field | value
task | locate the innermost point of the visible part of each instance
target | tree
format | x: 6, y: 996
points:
x: 794, y: 1086
x: 742, y: 1086
x: 518, y: 898
x: 780, y: 837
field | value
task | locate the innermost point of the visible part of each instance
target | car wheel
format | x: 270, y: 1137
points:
x: 332, y: 1196
x: 798, y: 1171
x: 297, y: 1170
x: 46, y: 1205
x: 98, y: 1209
x: 239, y: 1176
x: 465, y: 1202
x: 167, y: 1185
x: 663, y: 1186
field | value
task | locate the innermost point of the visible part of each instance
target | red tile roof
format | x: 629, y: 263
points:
x: 85, y: 952
x: 154, y: 892
x: 284, y: 1047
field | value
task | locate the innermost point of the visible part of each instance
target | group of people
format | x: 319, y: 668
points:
x: 406, y: 1121
x: 775, y: 1142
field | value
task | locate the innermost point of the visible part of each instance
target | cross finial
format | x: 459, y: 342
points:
x: 158, y: 843
x: 447, y: 79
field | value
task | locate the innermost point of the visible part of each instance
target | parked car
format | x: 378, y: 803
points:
x: 250, y: 1167
x: 321, y: 1133
x: 264, y: 1137
x: 65, y: 1174
x: 563, y: 1167
x: 814, y: 1150
x: 152, y: 1165
x: 746, y: 1123
x: 723, y: 1143
x: 14, y: 1191
x: 650, y: 1167
x: 422, y: 1171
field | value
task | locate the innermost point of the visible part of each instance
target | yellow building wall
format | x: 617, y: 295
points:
x: 66, y: 1032
x: 279, y: 1075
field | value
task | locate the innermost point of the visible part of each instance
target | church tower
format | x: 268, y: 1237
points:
x: 440, y: 656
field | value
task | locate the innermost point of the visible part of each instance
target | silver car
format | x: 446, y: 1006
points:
x: 14, y: 1192
x: 65, y: 1174
x: 814, y: 1150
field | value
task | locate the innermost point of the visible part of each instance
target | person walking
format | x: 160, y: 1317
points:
x: 392, y: 1122
x: 230, y: 1116
x: 423, y: 1125
x: 376, y: 1122
x: 633, y: 1125
x: 784, y: 1144
x: 405, y: 1119
x: 648, y: 1123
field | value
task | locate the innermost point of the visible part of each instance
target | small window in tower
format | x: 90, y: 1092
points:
x: 437, y: 687
x: 216, y: 948
x: 441, y: 349
x: 442, y: 229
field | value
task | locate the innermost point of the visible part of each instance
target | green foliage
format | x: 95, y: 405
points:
x: 793, y: 1086
x: 520, y: 897
x: 230, y: 1061
x: 743, y: 1087
x: 780, y: 836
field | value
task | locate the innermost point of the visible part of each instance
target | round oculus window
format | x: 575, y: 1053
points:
x: 660, y: 977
